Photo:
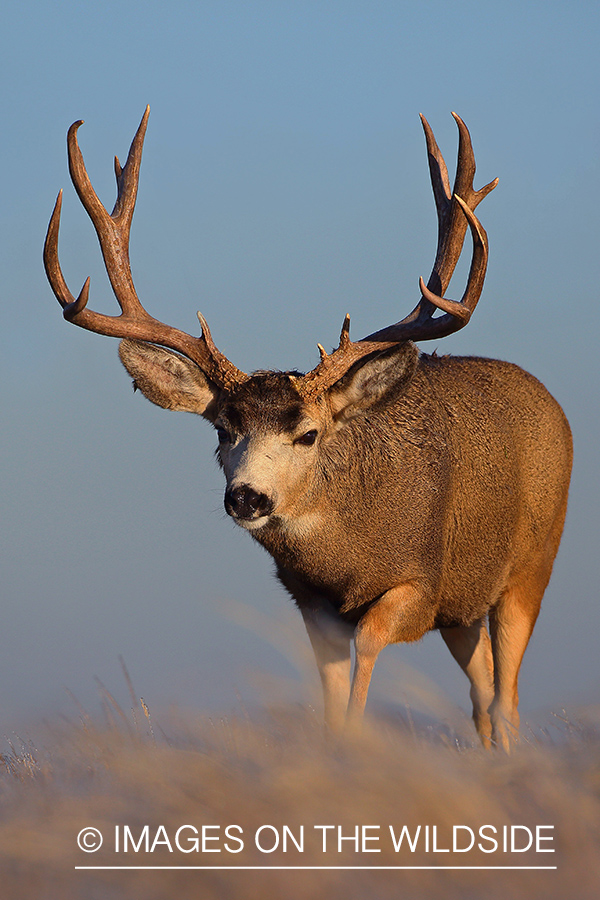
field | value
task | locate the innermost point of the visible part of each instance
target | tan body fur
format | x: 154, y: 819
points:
x: 452, y: 495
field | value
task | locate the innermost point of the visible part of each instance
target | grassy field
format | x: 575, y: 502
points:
x: 124, y: 771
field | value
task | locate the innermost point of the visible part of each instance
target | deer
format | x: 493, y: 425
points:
x: 398, y: 492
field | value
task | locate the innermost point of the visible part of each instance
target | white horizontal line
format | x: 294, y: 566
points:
x: 323, y: 868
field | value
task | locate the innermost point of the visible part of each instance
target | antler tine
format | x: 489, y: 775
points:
x: 113, y: 235
x: 51, y: 263
x: 454, y: 213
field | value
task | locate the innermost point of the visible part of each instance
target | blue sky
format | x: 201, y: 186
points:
x: 284, y: 183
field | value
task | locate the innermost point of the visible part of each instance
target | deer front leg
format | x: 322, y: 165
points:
x: 330, y: 639
x: 400, y: 615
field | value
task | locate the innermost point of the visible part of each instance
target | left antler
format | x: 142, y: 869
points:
x: 454, y: 211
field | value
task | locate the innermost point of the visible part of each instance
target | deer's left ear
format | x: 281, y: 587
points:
x: 373, y: 381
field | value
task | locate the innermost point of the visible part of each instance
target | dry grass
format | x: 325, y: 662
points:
x: 276, y: 768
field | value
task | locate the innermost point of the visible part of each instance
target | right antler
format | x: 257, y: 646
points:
x: 113, y: 235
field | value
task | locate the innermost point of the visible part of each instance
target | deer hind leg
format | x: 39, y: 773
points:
x: 471, y: 648
x: 400, y: 615
x: 330, y: 640
x: 511, y: 624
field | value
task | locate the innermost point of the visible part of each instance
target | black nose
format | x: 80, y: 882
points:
x: 243, y: 502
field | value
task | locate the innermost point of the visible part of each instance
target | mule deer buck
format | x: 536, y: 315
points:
x: 397, y: 492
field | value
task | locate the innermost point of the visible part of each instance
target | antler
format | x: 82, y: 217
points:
x: 113, y: 234
x: 454, y: 212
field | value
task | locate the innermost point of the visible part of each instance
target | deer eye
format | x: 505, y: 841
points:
x: 308, y: 439
x: 222, y: 435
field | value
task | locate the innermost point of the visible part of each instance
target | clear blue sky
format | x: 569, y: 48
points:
x: 284, y: 184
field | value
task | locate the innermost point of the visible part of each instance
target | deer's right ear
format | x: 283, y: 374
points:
x: 168, y: 379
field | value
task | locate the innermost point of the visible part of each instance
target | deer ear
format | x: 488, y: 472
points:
x: 168, y: 379
x: 373, y: 381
